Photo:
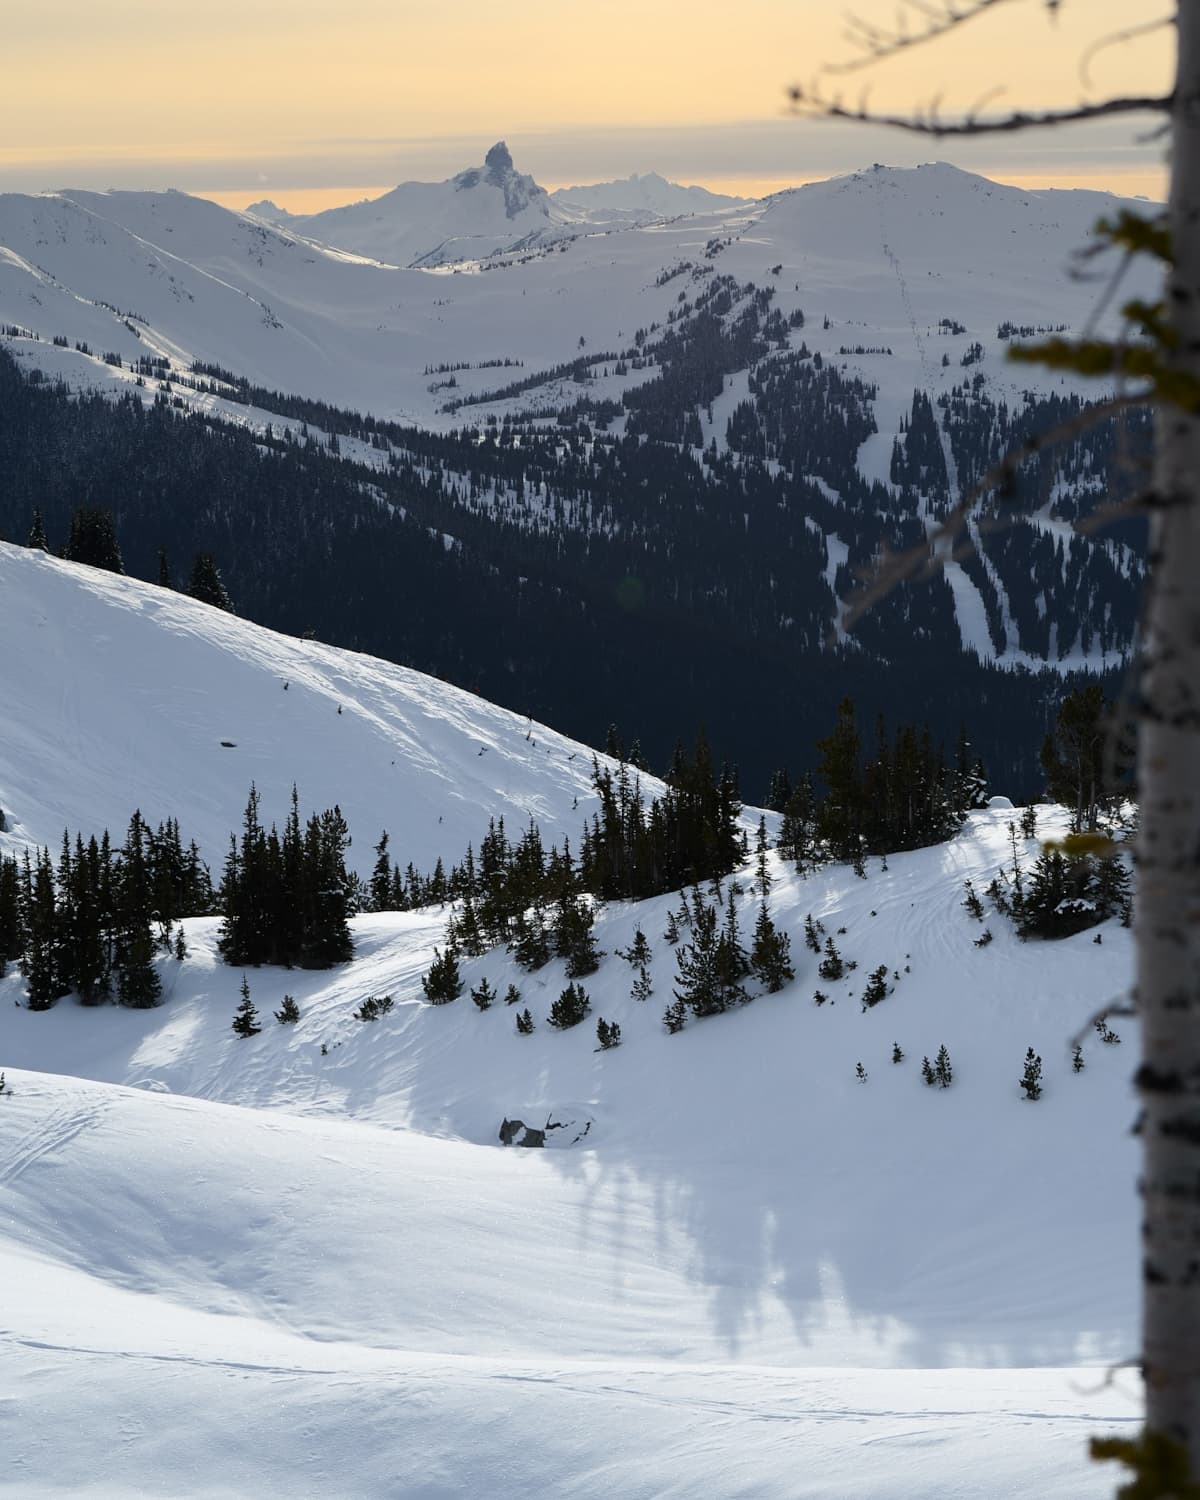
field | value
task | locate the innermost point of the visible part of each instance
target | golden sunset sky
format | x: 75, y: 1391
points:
x: 318, y: 103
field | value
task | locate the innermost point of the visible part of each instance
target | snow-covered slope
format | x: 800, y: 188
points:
x: 117, y: 694
x: 476, y: 213
x: 302, y: 1263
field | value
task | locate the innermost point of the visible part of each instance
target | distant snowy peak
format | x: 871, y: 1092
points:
x: 519, y: 190
x: 482, y: 211
x: 646, y: 193
x: 271, y: 212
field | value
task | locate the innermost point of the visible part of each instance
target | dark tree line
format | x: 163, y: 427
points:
x: 92, y: 923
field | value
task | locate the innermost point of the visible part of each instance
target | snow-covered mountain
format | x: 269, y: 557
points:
x: 743, y: 1270
x: 640, y: 198
x: 476, y: 213
x: 786, y: 337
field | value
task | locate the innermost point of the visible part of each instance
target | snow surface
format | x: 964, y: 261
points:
x: 303, y: 1264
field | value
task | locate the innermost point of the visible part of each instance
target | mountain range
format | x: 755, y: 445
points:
x: 707, y: 425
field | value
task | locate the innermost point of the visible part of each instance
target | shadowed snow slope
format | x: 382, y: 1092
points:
x: 301, y: 1263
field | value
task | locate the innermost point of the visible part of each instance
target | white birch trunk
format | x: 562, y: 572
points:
x: 1168, y: 897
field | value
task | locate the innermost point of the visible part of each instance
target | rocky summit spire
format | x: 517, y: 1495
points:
x: 499, y: 163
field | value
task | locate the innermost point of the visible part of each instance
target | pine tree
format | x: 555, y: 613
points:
x: 381, y: 876
x: 165, y: 580
x: 897, y: 1053
x: 512, y: 995
x: 972, y: 903
x: 525, y: 1022
x: 638, y: 953
x: 762, y: 874
x: 288, y: 1013
x: 642, y: 988
x: 1031, y: 1078
x: 37, y: 533
x: 942, y: 1069
x: 205, y: 583
x: 860, y: 1072
x: 608, y: 1034
x: 770, y: 954
x: 927, y: 1072
x: 483, y: 995
x: 876, y: 988
x: 672, y: 934
x: 1077, y: 1059
x: 832, y: 965
x: 675, y: 1016
x: 93, y: 540
x: 245, y: 1018
x: 443, y: 983
x: 571, y: 1007
x: 811, y: 940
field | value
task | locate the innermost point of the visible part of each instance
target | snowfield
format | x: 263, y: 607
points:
x: 303, y: 1264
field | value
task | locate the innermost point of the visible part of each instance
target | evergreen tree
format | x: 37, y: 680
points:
x: 165, y: 580
x: 675, y: 1016
x: 571, y: 1007
x: 698, y: 981
x: 1073, y: 756
x: 524, y: 1022
x: 876, y: 988
x: 762, y: 874
x: 205, y: 583
x: 927, y: 1072
x: 245, y: 1018
x: 483, y: 995
x: 1077, y: 1059
x: 512, y: 995
x: 941, y: 1068
x: 638, y: 953
x: 1031, y: 1078
x: 770, y: 955
x: 972, y: 903
x: 93, y: 540
x: 860, y: 1072
x: 732, y: 963
x: 381, y: 876
x: 897, y: 1053
x: 288, y: 1013
x: 443, y: 983
x: 608, y: 1034
x: 832, y: 966
x: 37, y: 533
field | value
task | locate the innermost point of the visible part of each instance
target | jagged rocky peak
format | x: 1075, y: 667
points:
x: 499, y: 163
x: 499, y: 172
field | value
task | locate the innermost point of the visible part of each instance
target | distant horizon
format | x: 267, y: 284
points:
x: 1097, y: 158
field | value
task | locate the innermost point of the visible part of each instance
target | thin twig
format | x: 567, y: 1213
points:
x: 880, y: 43
x: 897, y: 567
x: 1128, y: 34
x: 812, y: 104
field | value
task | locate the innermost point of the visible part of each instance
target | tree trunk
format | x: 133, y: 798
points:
x: 1168, y: 897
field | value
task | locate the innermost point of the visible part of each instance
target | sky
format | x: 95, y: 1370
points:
x: 313, y: 104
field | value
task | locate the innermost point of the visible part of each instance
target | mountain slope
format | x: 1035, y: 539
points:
x: 474, y: 214
x: 735, y: 1252
x: 118, y: 694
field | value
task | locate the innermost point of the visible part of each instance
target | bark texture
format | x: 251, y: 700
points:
x: 1168, y: 896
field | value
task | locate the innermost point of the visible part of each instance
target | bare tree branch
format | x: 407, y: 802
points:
x: 1128, y: 34
x: 810, y: 103
x: 880, y: 43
